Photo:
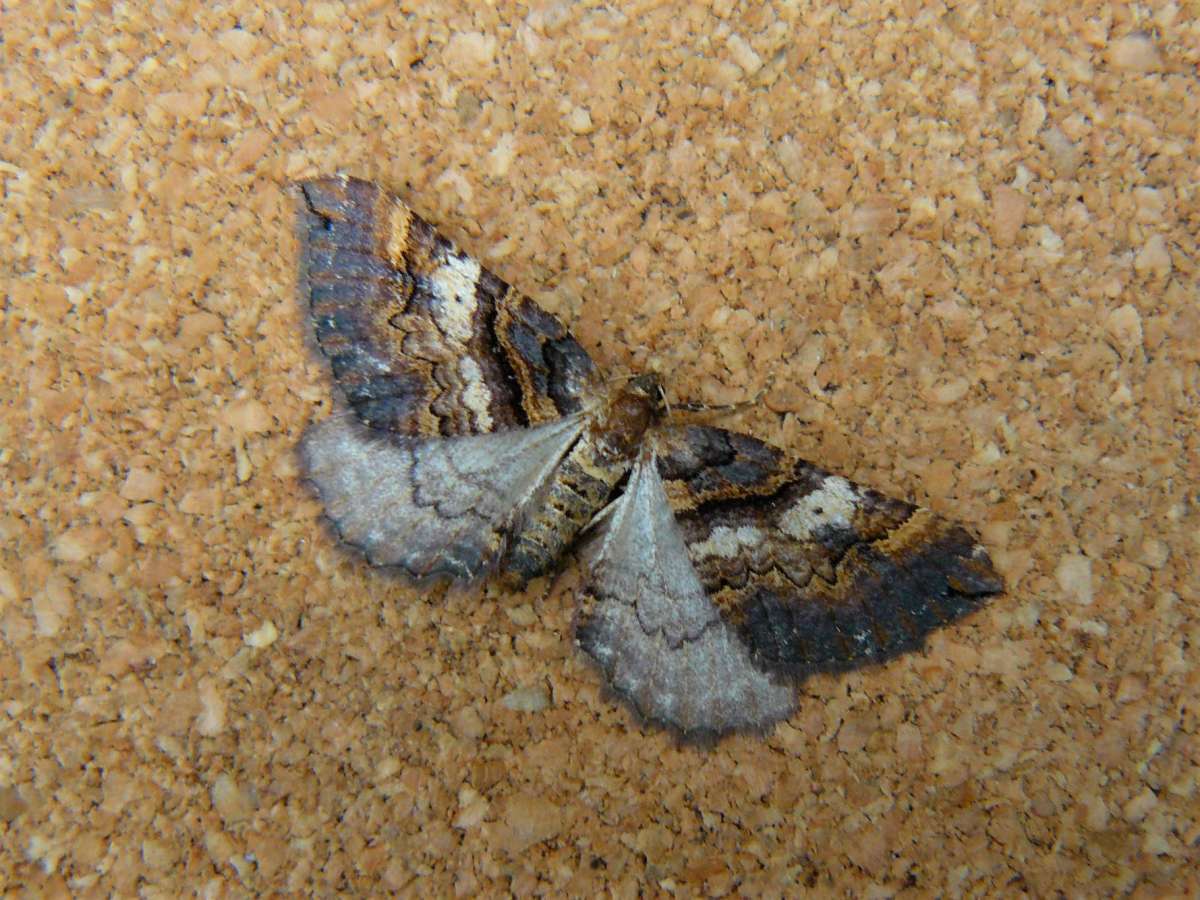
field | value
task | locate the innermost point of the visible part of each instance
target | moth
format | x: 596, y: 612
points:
x: 477, y: 438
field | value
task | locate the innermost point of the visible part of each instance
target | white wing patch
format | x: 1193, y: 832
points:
x: 659, y: 639
x: 831, y: 505
x: 432, y: 505
x: 476, y: 396
x: 454, y: 283
x: 727, y: 542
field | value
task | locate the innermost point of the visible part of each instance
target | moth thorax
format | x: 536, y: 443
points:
x: 632, y: 409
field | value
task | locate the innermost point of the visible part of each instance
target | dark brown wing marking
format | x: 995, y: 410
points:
x: 421, y: 339
x: 813, y: 571
x: 700, y: 465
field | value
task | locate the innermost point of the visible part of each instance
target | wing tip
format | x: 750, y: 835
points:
x: 888, y: 607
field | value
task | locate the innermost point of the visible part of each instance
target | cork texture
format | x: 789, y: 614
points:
x: 954, y: 249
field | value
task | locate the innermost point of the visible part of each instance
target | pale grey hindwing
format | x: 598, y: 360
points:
x: 434, y: 506
x: 645, y: 618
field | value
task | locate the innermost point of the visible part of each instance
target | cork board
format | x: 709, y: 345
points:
x: 956, y: 250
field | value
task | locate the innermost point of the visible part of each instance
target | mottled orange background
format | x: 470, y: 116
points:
x: 956, y: 248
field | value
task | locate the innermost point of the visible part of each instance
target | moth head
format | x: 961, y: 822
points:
x: 648, y: 389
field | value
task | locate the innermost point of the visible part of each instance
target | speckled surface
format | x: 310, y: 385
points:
x: 956, y: 249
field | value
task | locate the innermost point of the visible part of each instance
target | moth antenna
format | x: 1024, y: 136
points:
x: 700, y: 406
x: 619, y: 375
